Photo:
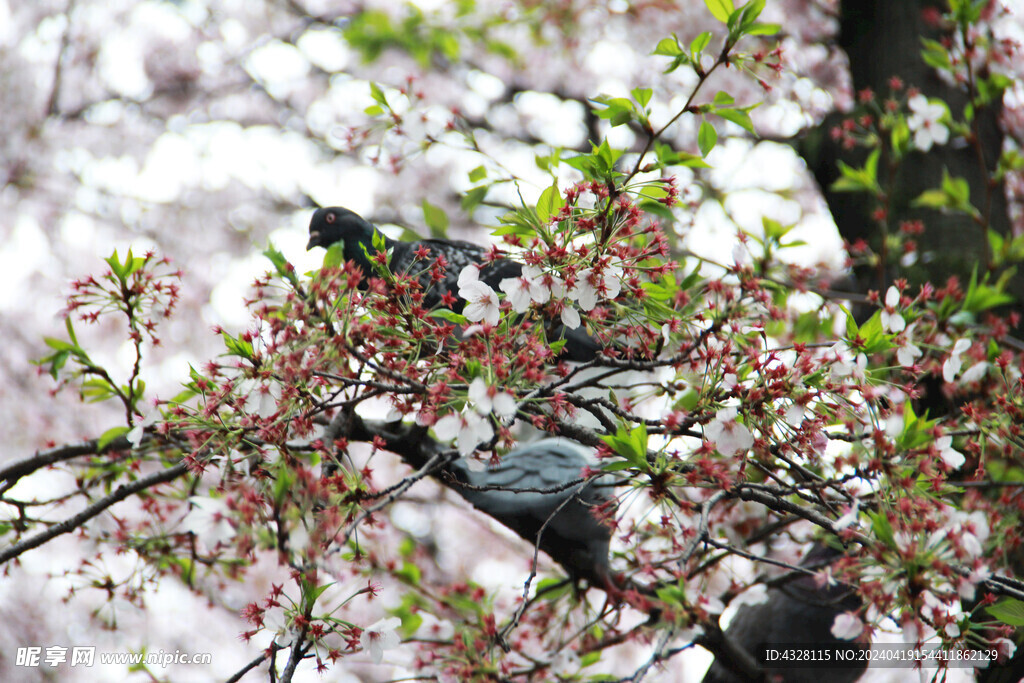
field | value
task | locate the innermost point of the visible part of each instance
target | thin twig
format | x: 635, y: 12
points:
x: 72, y: 523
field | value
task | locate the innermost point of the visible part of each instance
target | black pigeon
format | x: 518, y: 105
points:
x: 797, y: 613
x: 336, y: 224
x: 532, y: 486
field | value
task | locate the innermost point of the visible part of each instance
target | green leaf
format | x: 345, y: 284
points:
x: 859, y: 179
x: 617, y: 466
x: 316, y: 591
x: 552, y: 588
x: 954, y: 194
x: 115, y: 265
x: 108, y: 436
x: 335, y: 255
x: 688, y: 401
x: 379, y: 245
x: 762, y: 29
x: 605, y: 157
x: 698, y: 44
x: 874, y: 338
x: 618, y: 110
x: 435, y: 218
x: 642, y: 95
x: 409, y: 573
x: 773, y: 229
x: 281, y: 266
x: 549, y: 203
x: 707, y: 137
x: 672, y: 594
x: 749, y: 14
x: 722, y: 99
x: 997, y: 246
x: 58, y: 344
x: 56, y: 362
x: 631, y: 444
x: 982, y: 296
x: 720, y: 9
x: 96, y: 390
x: 238, y: 346
x: 450, y: 316
x: 133, y: 264
x: 917, y: 431
x: 932, y: 199
x: 1009, y: 611
x: 670, y: 157
x: 738, y: 116
x: 378, y: 95
x: 668, y: 47
x: 473, y: 198
x: 411, y: 622
x: 69, y: 326
x: 935, y: 55
x: 882, y: 528
x: 956, y: 187
x: 477, y: 174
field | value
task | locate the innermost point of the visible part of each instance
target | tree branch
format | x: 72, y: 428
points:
x: 72, y: 523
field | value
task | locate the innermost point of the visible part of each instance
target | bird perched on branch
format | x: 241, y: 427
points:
x: 799, y: 613
x: 537, y: 489
x: 335, y: 224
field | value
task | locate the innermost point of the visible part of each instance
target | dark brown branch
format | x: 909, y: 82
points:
x: 274, y: 647
x: 58, y: 69
x: 72, y: 523
x: 15, y: 471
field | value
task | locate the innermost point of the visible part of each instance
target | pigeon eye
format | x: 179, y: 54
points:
x: 330, y: 218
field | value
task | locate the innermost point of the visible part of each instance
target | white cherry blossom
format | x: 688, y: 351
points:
x: 847, y: 626
x: 974, y: 373
x: 951, y: 368
x: 481, y: 300
x: 953, y: 458
x: 487, y: 399
x: 592, y: 285
x: 907, y: 353
x: 850, y: 517
x: 892, y: 321
x: 848, y: 364
x: 565, y: 663
x: 468, y: 429
x: 1007, y: 648
x: 924, y: 123
x: 570, y: 316
x: 728, y: 435
x: 209, y: 520
x: 379, y: 637
x: 526, y: 289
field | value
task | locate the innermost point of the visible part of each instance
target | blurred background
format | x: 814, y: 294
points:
x: 203, y: 130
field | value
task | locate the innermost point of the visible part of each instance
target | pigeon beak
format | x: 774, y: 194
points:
x: 314, y: 240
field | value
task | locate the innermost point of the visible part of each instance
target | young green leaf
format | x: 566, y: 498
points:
x: 707, y: 137
x: 720, y: 9
x: 435, y: 218
x: 549, y: 203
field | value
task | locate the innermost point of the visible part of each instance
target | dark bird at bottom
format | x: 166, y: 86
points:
x: 333, y: 224
x: 796, y: 613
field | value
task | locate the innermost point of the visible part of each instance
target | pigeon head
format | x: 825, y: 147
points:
x: 336, y: 224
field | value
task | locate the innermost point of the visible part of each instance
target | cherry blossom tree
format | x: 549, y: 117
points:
x: 755, y: 425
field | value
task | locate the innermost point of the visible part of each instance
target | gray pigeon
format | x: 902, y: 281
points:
x: 531, y: 486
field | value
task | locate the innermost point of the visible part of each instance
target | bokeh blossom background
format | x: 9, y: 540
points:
x: 203, y: 130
